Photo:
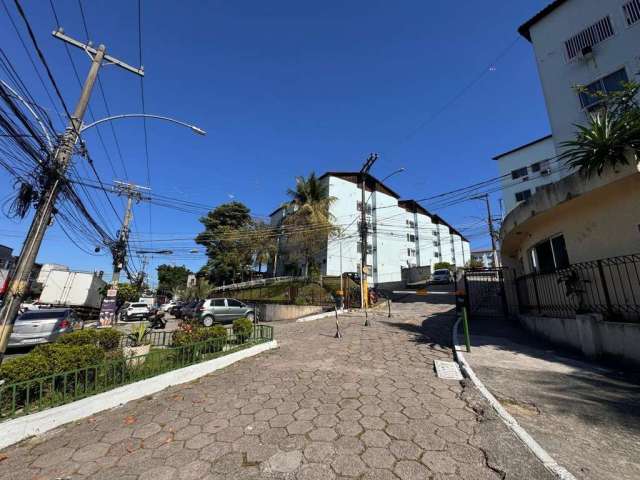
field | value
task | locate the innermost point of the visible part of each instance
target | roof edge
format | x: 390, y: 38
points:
x: 526, y: 26
x: 522, y: 147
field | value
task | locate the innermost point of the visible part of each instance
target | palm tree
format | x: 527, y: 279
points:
x: 612, y: 136
x: 307, y: 228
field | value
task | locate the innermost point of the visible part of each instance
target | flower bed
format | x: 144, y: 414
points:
x: 27, y: 389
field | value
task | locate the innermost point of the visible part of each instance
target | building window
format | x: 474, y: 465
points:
x: 543, y: 167
x: 436, y: 243
x: 631, y: 12
x: 411, y: 252
x: 611, y: 83
x: 540, y: 187
x: 436, y: 233
x: 519, y: 173
x: 436, y: 254
x: 580, y: 43
x: 549, y: 255
x: 411, y: 237
x: 523, y: 195
x: 411, y: 224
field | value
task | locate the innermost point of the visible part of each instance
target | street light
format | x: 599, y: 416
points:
x: 193, y: 128
x: 400, y: 170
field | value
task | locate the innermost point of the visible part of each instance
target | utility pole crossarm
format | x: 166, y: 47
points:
x: 59, y: 34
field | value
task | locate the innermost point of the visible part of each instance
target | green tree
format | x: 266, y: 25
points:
x: 172, y: 278
x: 443, y: 265
x: 309, y: 225
x: 226, y: 237
x: 263, y: 244
x: 612, y: 135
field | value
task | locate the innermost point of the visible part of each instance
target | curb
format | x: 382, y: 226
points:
x: 319, y: 316
x: 547, y: 460
x: 13, y: 431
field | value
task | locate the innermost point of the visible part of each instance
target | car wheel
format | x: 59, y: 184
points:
x: 251, y: 316
x: 207, y: 321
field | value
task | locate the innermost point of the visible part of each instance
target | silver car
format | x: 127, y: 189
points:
x: 224, y: 310
x: 43, y: 326
x: 442, y: 275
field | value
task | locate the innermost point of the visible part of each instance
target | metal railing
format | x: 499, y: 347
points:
x: 256, y: 283
x: 34, y: 395
x: 610, y: 286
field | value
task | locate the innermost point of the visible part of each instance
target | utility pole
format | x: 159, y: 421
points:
x: 119, y: 252
x: 494, y: 250
x: 364, y: 287
x: 44, y: 213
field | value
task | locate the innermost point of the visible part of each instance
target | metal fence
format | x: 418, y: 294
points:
x: 45, y: 392
x: 610, y: 286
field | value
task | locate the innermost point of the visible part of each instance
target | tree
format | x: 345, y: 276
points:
x: 263, y: 244
x: 171, y: 277
x: 226, y: 236
x: 475, y: 263
x: 612, y: 135
x: 127, y: 292
x: 308, y: 227
x: 443, y: 265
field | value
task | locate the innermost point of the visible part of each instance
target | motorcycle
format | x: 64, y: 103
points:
x: 157, y: 320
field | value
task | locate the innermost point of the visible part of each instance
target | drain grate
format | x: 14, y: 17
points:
x: 447, y: 370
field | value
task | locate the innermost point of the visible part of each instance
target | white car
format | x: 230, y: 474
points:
x: 165, y: 307
x: 134, y: 311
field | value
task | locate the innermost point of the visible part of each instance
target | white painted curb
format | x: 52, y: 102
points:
x: 318, y: 316
x: 542, y: 455
x: 18, y: 429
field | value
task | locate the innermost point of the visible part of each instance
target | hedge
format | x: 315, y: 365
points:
x: 105, y: 338
x: 242, y: 328
x: 198, y: 334
x: 49, y: 359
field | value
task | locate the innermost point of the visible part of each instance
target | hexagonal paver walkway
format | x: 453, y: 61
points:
x: 366, y: 406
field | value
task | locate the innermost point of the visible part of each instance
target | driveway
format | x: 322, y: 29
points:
x: 366, y: 406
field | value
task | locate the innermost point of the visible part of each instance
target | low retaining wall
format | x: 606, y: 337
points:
x: 270, y: 312
x: 13, y: 431
x: 589, y: 334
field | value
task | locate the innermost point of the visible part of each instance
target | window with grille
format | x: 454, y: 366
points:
x: 519, y: 173
x: 411, y: 252
x: 543, y: 167
x: 631, y: 12
x: 523, y: 195
x: 590, y: 36
x: 411, y: 237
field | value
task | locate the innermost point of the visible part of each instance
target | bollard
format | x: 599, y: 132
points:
x: 338, y: 334
x: 366, y: 317
x: 465, y: 325
x: 389, y: 306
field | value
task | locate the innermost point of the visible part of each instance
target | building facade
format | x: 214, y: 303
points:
x: 588, y: 43
x: 401, y: 233
x: 484, y: 257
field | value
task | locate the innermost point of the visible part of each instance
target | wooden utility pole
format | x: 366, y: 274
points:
x: 364, y: 287
x: 44, y: 213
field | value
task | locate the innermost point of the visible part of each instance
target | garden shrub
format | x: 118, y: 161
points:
x: 49, y: 359
x: 106, y: 338
x: 242, y: 328
x: 188, y: 336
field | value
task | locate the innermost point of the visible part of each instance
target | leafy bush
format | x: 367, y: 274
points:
x: 49, y: 359
x: 187, y: 336
x: 106, y: 338
x: 242, y: 328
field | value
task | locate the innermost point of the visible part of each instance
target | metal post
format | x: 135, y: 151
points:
x: 389, y: 306
x: 44, y: 213
x: 535, y: 289
x: 338, y: 334
x: 465, y: 326
x: 496, y: 262
x: 364, y: 288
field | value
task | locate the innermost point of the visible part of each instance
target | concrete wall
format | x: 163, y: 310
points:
x: 271, y: 312
x: 524, y: 157
x: 598, y: 218
x: 590, y: 335
x: 558, y: 75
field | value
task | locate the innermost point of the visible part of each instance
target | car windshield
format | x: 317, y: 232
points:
x: 42, y: 315
x: 138, y: 305
x: 441, y: 272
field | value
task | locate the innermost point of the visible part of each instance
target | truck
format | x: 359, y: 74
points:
x: 82, y: 291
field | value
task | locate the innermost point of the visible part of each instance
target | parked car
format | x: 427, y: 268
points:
x: 176, y: 310
x: 224, y: 310
x: 133, y: 311
x: 43, y: 326
x: 167, y: 306
x: 190, y: 310
x: 442, y: 275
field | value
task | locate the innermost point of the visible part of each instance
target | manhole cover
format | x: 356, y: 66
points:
x: 447, y: 370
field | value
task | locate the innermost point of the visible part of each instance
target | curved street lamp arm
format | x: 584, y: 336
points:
x: 195, y: 129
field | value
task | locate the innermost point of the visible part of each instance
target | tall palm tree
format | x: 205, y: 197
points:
x: 311, y: 222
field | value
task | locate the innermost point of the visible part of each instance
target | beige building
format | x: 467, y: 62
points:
x: 574, y: 220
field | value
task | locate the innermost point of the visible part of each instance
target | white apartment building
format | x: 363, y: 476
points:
x: 402, y: 233
x: 592, y: 43
x: 485, y: 257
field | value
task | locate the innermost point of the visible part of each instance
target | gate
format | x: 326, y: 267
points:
x: 485, y: 292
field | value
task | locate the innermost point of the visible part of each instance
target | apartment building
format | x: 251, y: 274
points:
x: 591, y: 43
x: 401, y: 233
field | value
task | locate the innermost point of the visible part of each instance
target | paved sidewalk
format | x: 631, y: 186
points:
x: 586, y: 416
x: 368, y: 406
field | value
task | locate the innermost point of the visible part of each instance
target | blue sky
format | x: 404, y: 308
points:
x: 285, y: 88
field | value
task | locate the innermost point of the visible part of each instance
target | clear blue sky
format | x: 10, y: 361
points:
x: 285, y: 88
